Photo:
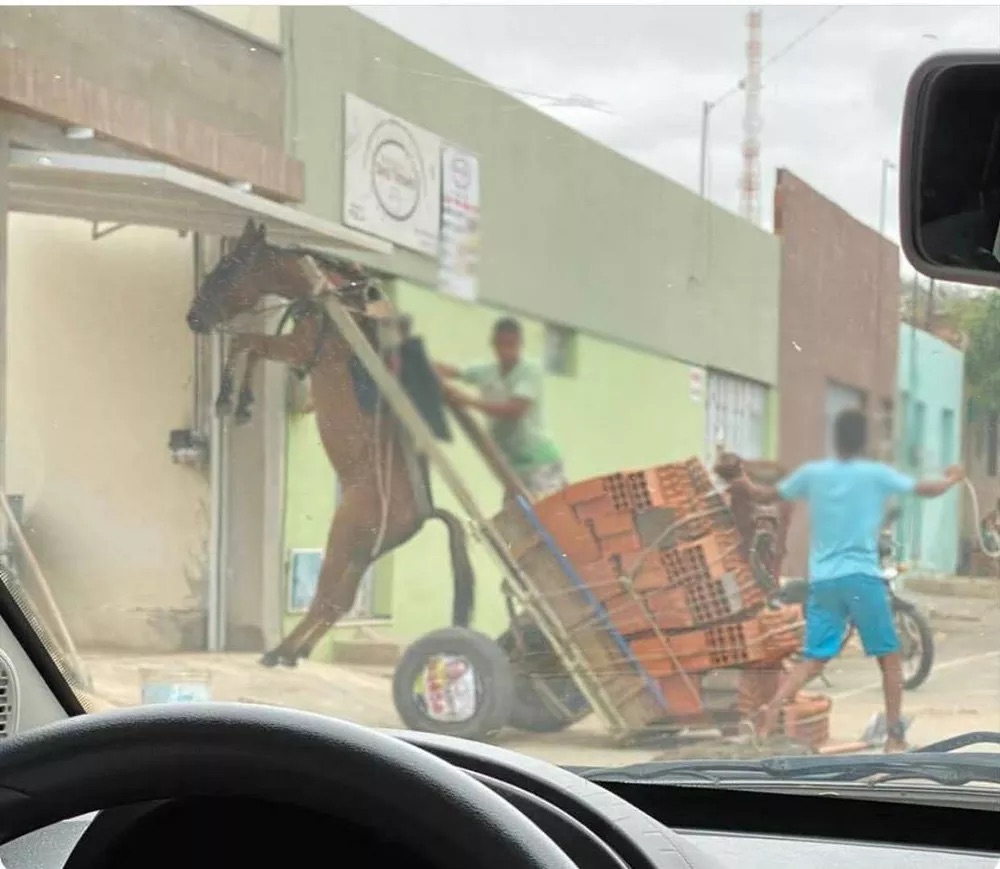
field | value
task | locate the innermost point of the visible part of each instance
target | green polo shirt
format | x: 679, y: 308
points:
x: 524, y: 441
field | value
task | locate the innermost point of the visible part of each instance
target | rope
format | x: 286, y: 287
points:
x: 383, y: 484
x: 986, y: 550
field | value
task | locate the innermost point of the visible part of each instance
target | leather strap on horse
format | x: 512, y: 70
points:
x: 303, y: 308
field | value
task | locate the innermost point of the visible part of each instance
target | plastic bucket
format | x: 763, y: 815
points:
x: 175, y: 686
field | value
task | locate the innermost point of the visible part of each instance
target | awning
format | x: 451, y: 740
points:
x: 146, y: 193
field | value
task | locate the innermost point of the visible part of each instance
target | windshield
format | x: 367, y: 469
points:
x: 547, y: 376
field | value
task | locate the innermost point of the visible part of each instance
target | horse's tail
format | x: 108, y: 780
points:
x: 461, y: 568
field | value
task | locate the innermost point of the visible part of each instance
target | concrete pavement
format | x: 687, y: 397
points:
x: 962, y: 693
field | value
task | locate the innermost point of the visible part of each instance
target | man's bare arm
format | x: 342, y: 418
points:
x: 513, y: 408
x: 448, y: 372
x: 936, y: 488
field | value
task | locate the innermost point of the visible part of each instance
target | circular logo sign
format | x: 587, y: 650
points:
x: 396, y: 179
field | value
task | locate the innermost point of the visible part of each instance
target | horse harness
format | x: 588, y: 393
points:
x: 314, y: 306
x: 387, y: 346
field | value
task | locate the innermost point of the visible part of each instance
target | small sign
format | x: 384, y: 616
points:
x: 460, y: 239
x: 303, y: 577
x: 392, y: 177
x: 696, y: 384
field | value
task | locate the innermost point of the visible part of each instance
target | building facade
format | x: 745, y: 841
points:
x: 838, y: 334
x: 931, y: 379
x: 167, y: 128
x: 668, y: 304
x: 132, y: 141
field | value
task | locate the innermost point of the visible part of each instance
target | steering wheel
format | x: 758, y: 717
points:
x: 93, y: 762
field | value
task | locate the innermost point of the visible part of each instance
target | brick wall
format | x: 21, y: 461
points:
x: 839, y: 321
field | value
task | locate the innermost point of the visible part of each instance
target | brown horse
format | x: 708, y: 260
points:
x: 381, y: 505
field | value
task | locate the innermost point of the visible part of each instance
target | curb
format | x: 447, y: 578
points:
x: 954, y: 586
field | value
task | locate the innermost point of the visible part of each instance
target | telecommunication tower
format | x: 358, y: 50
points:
x: 752, y: 123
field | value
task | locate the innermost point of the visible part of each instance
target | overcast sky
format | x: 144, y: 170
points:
x: 831, y: 105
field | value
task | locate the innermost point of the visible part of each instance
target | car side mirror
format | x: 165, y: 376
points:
x: 950, y: 169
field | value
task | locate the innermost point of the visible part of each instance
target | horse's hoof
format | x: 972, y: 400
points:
x: 270, y: 659
x: 242, y: 415
x: 289, y: 661
x: 223, y: 407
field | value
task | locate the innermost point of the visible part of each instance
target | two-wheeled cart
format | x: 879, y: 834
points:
x: 628, y: 596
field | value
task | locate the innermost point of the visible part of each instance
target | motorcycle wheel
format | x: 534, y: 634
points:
x: 916, y: 640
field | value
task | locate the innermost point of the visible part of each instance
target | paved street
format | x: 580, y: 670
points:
x: 962, y: 693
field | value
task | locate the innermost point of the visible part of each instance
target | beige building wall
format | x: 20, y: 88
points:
x: 101, y: 363
x: 263, y: 22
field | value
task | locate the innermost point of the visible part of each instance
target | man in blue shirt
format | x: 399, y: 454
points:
x: 847, y: 498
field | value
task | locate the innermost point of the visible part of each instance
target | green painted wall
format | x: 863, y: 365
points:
x: 572, y: 232
x: 931, y: 376
x: 652, y: 277
x: 622, y: 409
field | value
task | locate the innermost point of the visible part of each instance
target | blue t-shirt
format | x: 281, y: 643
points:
x: 847, y: 502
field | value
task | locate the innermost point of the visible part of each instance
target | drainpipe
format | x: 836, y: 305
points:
x: 199, y: 346
x: 217, y: 536
x: 216, y: 556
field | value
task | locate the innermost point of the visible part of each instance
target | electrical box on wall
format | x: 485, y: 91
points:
x: 187, y: 447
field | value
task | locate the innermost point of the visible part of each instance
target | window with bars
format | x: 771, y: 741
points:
x: 735, y: 411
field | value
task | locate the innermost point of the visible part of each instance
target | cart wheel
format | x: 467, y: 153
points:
x: 454, y: 681
x: 531, y: 711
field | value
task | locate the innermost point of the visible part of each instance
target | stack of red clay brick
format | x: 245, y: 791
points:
x: 805, y: 719
x: 659, y: 551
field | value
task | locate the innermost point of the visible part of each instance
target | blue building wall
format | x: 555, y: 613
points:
x: 930, y: 378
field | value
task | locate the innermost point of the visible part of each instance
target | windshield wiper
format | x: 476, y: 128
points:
x: 938, y: 762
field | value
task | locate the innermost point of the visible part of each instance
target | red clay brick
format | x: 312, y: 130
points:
x: 620, y: 544
x: 663, y: 657
x: 600, y: 577
x: 671, y: 610
x: 807, y: 720
x: 629, y: 615
x: 652, y: 577
x: 613, y: 525
x: 683, y: 695
x: 572, y: 537
x: 584, y: 491
x: 595, y: 508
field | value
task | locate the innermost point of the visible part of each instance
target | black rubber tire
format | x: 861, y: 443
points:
x: 494, y: 683
x: 926, y: 634
x: 530, y: 711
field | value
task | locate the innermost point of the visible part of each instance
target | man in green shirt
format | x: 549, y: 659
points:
x: 511, y: 393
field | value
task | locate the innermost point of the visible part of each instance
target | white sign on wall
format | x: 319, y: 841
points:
x: 459, y: 261
x: 696, y: 384
x: 392, y: 182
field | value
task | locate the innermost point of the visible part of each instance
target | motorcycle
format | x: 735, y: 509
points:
x: 916, y: 638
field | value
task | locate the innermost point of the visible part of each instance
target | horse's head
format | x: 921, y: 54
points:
x: 236, y: 284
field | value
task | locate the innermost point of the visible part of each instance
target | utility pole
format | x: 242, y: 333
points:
x: 887, y: 165
x: 750, y: 178
x: 879, y: 301
x: 706, y: 111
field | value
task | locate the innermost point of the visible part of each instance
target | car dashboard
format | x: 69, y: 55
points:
x: 617, y: 825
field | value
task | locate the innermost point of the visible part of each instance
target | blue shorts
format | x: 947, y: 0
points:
x: 833, y: 604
